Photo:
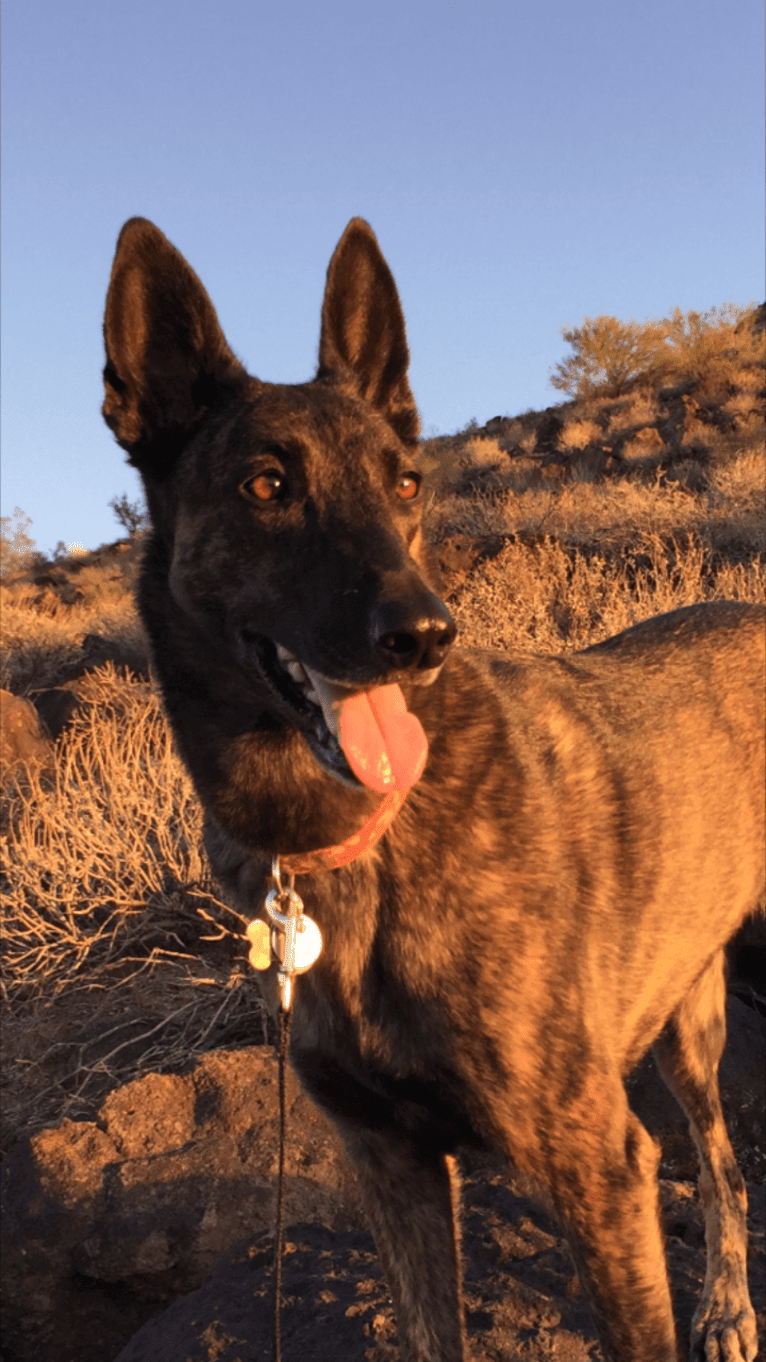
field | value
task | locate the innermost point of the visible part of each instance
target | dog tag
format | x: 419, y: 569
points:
x: 258, y: 934
x: 308, y: 944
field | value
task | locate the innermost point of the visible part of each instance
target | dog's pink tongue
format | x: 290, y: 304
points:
x: 385, y: 745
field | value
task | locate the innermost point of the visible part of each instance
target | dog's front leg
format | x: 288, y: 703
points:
x: 411, y: 1193
x: 604, y: 1185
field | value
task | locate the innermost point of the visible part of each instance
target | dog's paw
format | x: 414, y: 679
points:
x: 724, y: 1330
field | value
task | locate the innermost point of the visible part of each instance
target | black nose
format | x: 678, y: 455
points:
x: 414, y: 632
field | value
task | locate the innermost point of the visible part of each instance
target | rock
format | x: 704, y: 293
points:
x: 458, y: 554
x: 688, y: 476
x: 153, y: 1223
x: 334, y: 1294
x: 97, y: 650
x: 650, y: 439
x: 548, y: 432
x: 22, y: 740
x: 57, y: 706
x: 173, y: 1171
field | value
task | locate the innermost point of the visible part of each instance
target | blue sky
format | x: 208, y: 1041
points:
x: 523, y: 164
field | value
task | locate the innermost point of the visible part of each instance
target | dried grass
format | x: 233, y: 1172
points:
x: 41, y: 642
x: 545, y: 598
x: 578, y: 434
x: 108, y: 911
x: 483, y: 452
x: 609, y: 514
x: 117, y: 956
x: 641, y: 409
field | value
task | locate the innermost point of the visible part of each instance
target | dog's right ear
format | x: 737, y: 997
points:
x: 167, y: 360
x: 363, y: 345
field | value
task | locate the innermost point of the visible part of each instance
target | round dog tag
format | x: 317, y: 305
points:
x: 308, y: 944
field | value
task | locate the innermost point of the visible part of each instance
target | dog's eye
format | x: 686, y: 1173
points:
x: 408, y: 486
x: 268, y: 486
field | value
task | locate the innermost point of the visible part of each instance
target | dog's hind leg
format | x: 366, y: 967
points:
x: 411, y: 1195
x: 688, y: 1053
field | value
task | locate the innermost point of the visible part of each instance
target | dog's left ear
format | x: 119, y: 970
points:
x: 363, y: 345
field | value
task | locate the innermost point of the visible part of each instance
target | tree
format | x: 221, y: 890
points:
x: 17, y: 548
x: 611, y: 356
x: 132, y: 515
x: 714, y: 347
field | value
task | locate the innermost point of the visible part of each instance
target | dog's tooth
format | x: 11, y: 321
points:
x: 284, y: 654
x: 296, y: 671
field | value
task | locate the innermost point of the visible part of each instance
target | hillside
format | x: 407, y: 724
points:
x: 551, y: 530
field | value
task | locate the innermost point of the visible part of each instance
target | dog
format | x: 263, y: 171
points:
x: 551, y: 853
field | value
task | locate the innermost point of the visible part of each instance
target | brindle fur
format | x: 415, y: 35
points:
x: 556, y: 894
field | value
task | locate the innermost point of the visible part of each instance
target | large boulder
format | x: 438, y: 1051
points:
x: 146, y: 1198
x: 22, y: 740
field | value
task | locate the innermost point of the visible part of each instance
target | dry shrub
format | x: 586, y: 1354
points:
x: 619, y: 513
x: 741, y: 482
x: 635, y: 449
x: 749, y: 380
x: 649, y: 438
x: 743, y: 404
x: 579, y: 434
x: 108, y: 908
x: 713, y: 348
x: 87, y: 851
x: 639, y: 410
x: 17, y: 547
x: 40, y: 647
x: 482, y: 452
x: 515, y: 433
x: 696, y: 432
x: 541, y: 597
x: 528, y: 442
x: 612, y: 357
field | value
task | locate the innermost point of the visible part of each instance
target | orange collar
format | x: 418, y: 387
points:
x: 330, y: 858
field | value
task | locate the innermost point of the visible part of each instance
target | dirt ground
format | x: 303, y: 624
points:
x: 522, y: 1295
x: 145, y: 1235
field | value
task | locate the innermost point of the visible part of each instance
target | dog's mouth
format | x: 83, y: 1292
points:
x: 314, y: 702
x: 362, y: 737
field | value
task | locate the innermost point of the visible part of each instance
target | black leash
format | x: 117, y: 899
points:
x: 291, y: 940
x: 284, y: 1042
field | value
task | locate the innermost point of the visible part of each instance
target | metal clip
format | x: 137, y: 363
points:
x: 298, y: 934
x: 286, y: 924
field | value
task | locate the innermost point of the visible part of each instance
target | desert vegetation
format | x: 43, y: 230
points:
x: 643, y: 491
x: 552, y: 530
x: 715, y: 350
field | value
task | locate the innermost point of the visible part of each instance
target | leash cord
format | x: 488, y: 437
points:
x: 284, y: 1040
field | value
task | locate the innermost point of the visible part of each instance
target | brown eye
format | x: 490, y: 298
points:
x: 268, y: 486
x: 408, y: 486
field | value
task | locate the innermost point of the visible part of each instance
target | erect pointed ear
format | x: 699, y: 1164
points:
x: 363, y: 345
x: 167, y: 360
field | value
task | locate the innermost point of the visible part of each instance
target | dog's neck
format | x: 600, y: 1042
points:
x: 333, y: 857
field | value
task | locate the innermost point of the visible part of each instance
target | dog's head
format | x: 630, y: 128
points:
x: 288, y: 517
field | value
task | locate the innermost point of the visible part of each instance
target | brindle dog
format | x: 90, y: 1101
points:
x: 554, y: 896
